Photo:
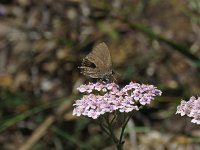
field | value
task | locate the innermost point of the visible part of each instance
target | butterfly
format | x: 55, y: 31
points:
x: 98, y: 63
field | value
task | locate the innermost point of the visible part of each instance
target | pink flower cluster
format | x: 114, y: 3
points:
x: 190, y: 108
x: 102, y: 97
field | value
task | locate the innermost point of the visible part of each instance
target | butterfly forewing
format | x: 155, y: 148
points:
x: 102, y: 53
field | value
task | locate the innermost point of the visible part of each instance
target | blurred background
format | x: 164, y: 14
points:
x: 42, y: 43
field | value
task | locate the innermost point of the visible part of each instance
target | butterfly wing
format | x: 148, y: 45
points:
x: 96, y: 63
x: 102, y: 56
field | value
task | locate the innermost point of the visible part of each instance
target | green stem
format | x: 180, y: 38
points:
x: 108, y: 128
x: 104, y: 127
x: 111, y: 130
x: 113, y: 118
x: 120, y: 144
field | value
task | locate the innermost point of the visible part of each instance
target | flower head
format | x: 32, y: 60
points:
x: 190, y: 108
x: 110, y: 97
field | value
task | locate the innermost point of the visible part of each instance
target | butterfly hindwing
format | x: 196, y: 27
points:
x: 97, y: 64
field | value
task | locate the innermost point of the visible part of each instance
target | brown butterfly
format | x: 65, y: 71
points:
x: 98, y: 64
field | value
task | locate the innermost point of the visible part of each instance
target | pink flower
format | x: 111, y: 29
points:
x: 142, y: 93
x: 110, y: 97
x: 190, y: 108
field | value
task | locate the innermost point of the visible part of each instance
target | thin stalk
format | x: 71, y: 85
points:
x: 104, y: 128
x: 123, y: 129
x: 111, y: 130
x: 113, y: 118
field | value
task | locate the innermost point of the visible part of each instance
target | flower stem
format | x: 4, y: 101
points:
x: 120, y: 144
x: 103, y: 126
x: 111, y: 130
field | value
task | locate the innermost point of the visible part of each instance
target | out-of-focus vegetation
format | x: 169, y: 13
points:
x: 43, y: 42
